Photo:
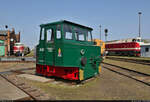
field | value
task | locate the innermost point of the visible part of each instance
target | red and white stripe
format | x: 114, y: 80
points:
x: 123, y: 49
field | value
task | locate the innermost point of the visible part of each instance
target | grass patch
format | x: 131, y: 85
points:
x: 132, y: 66
x: 64, y: 91
x: 31, y: 54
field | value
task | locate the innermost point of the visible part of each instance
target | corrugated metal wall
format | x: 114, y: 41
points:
x: 2, y: 48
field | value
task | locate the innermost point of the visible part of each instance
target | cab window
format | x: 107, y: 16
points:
x: 79, y: 34
x: 42, y: 34
x: 88, y: 36
x: 80, y: 37
x: 50, y: 35
x: 138, y: 40
x: 68, y: 32
x: 58, y: 32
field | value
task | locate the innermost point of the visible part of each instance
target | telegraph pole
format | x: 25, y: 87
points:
x: 100, y: 31
x: 140, y: 23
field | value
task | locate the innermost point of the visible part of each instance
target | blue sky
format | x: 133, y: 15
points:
x: 120, y: 17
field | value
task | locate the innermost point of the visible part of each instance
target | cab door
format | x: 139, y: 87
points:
x: 49, y: 46
x: 40, y: 53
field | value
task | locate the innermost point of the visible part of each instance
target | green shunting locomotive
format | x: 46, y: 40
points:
x: 66, y: 50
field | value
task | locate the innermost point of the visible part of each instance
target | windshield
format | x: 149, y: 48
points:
x: 138, y: 40
x: 88, y: 36
x: 18, y: 44
x: 42, y: 34
x: 47, y: 34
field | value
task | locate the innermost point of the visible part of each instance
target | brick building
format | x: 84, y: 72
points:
x: 8, y: 38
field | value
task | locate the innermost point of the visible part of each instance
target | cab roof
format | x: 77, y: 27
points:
x: 65, y: 21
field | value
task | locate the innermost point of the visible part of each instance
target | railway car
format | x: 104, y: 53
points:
x: 125, y: 48
x: 20, y: 49
x: 66, y: 50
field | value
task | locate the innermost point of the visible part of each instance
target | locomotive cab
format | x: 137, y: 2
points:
x: 66, y: 50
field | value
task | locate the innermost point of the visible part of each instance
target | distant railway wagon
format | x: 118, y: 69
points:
x: 124, y: 48
x: 66, y: 50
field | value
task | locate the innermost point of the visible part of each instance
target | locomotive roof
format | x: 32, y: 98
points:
x: 65, y: 21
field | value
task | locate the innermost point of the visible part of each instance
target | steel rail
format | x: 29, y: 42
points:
x: 18, y: 87
x: 17, y: 59
x: 143, y: 62
x: 129, y: 76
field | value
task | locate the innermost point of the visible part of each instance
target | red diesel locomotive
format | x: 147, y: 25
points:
x: 124, y: 47
x: 20, y: 49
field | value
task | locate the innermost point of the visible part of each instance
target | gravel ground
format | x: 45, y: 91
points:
x: 15, y: 66
x: 108, y: 86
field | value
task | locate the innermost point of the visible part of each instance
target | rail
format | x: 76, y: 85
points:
x: 17, y: 59
x: 33, y: 93
x: 144, y: 62
x: 138, y: 76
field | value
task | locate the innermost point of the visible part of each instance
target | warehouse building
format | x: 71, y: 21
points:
x: 7, y: 40
x: 145, y: 50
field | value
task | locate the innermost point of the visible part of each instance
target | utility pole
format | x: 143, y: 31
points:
x: 100, y: 32
x: 140, y: 23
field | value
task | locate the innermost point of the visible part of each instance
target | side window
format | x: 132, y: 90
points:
x: 50, y: 35
x: 79, y: 35
x: 1, y: 44
x: 67, y: 32
x: 58, y: 33
x: 88, y: 36
x: 76, y: 35
x: 147, y: 49
x: 68, y: 35
x: 42, y: 34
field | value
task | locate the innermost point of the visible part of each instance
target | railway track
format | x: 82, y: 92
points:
x: 32, y: 92
x: 17, y: 59
x: 144, y: 62
x: 138, y: 76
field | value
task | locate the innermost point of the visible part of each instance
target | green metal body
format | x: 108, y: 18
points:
x: 68, y: 52
x: 2, y: 48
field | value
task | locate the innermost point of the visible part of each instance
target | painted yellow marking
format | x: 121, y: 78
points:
x: 99, y: 68
x: 59, y: 52
x: 81, y: 74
